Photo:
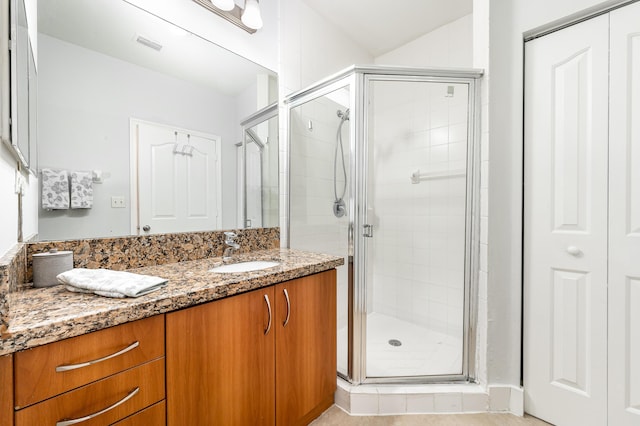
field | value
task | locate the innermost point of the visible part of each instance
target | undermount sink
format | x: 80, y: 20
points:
x: 254, y: 265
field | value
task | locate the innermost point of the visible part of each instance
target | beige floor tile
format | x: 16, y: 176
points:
x: 334, y: 416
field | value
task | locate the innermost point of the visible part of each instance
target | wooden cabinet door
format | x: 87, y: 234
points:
x: 305, y: 347
x: 220, y: 362
x: 6, y: 390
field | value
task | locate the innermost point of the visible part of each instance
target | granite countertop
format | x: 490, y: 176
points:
x: 45, y: 315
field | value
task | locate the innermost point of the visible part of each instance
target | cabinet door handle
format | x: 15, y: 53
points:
x: 266, y: 299
x: 62, y: 368
x: 286, y: 296
x: 94, y: 415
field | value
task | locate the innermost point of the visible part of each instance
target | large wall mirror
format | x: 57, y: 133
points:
x: 151, y: 115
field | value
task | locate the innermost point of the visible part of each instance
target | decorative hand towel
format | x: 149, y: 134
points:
x: 55, y: 189
x: 81, y: 190
x: 108, y: 283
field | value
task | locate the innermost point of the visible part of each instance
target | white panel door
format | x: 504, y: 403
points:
x: 624, y: 218
x: 565, y: 214
x: 178, y: 179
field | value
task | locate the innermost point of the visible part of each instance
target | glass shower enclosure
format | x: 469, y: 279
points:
x: 382, y: 170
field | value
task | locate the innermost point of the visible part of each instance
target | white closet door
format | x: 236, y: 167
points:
x: 565, y: 214
x: 624, y: 218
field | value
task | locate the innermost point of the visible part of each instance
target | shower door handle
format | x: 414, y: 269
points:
x: 367, y: 231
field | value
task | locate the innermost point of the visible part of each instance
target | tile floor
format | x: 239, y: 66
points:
x: 334, y: 416
x: 423, y: 352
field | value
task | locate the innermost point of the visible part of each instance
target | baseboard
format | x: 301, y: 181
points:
x: 371, y: 400
x: 506, y: 398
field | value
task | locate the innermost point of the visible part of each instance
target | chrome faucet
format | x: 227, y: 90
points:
x: 229, y: 240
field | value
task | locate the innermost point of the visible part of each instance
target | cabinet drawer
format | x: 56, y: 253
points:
x: 98, y: 397
x: 85, y: 359
x: 152, y: 416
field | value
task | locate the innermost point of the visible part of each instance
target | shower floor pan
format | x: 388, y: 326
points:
x: 422, y: 352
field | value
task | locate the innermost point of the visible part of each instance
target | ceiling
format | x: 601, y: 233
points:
x: 112, y: 27
x: 380, y: 26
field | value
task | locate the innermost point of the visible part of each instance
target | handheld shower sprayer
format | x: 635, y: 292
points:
x: 339, y: 206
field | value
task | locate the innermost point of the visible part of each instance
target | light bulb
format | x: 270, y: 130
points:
x: 251, y: 15
x: 224, y: 4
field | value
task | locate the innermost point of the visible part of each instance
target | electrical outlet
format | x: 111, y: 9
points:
x: 117, y: 202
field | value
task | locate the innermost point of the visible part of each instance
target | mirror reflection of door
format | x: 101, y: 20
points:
x: 175, y: 179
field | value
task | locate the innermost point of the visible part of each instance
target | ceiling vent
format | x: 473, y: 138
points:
x: 149, y: 43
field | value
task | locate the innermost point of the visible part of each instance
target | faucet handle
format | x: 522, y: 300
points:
x: 230, y: 236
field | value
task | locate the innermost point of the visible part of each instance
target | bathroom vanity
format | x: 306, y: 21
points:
x: 263, y: 357
x: 255, y: 347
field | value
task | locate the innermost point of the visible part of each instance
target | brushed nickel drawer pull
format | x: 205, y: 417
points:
x: 94, y: 415
x: 286, y: 296
x: 62, y: 368
x: 266, y: 299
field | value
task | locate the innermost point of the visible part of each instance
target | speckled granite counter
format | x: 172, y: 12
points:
x: 47, y: 315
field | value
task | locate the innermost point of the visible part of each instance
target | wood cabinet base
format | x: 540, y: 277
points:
x: 315, y: 413
x: 266, y: 357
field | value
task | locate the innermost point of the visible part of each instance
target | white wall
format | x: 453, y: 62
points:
x: 451, y: 45
x: 9, y: 212
x: 260, y: 47
x: 481, y: 60
x: 85, y: 102
x: 31, y: 9
x: 508, y: 21
x: 311, y: 48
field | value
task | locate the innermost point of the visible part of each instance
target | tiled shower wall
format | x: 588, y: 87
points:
x: 419, y: 243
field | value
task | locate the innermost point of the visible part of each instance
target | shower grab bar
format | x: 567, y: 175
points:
x: 417, y: 177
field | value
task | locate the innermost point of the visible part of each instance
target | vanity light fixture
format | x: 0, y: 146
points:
x: 247, y: 18
x: 225, y: 5
x: 251, y: 16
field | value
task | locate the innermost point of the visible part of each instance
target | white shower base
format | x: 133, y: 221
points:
x: 423, y: 352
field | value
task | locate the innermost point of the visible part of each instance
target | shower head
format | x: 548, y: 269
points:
x: 344, y: 115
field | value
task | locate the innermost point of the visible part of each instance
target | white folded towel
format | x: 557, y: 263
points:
x: 81, y: 190
x: 55, y: 189
x: 108, y: 283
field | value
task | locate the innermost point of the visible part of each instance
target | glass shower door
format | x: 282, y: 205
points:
x: 320, y: 137
x: 415, y: 219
